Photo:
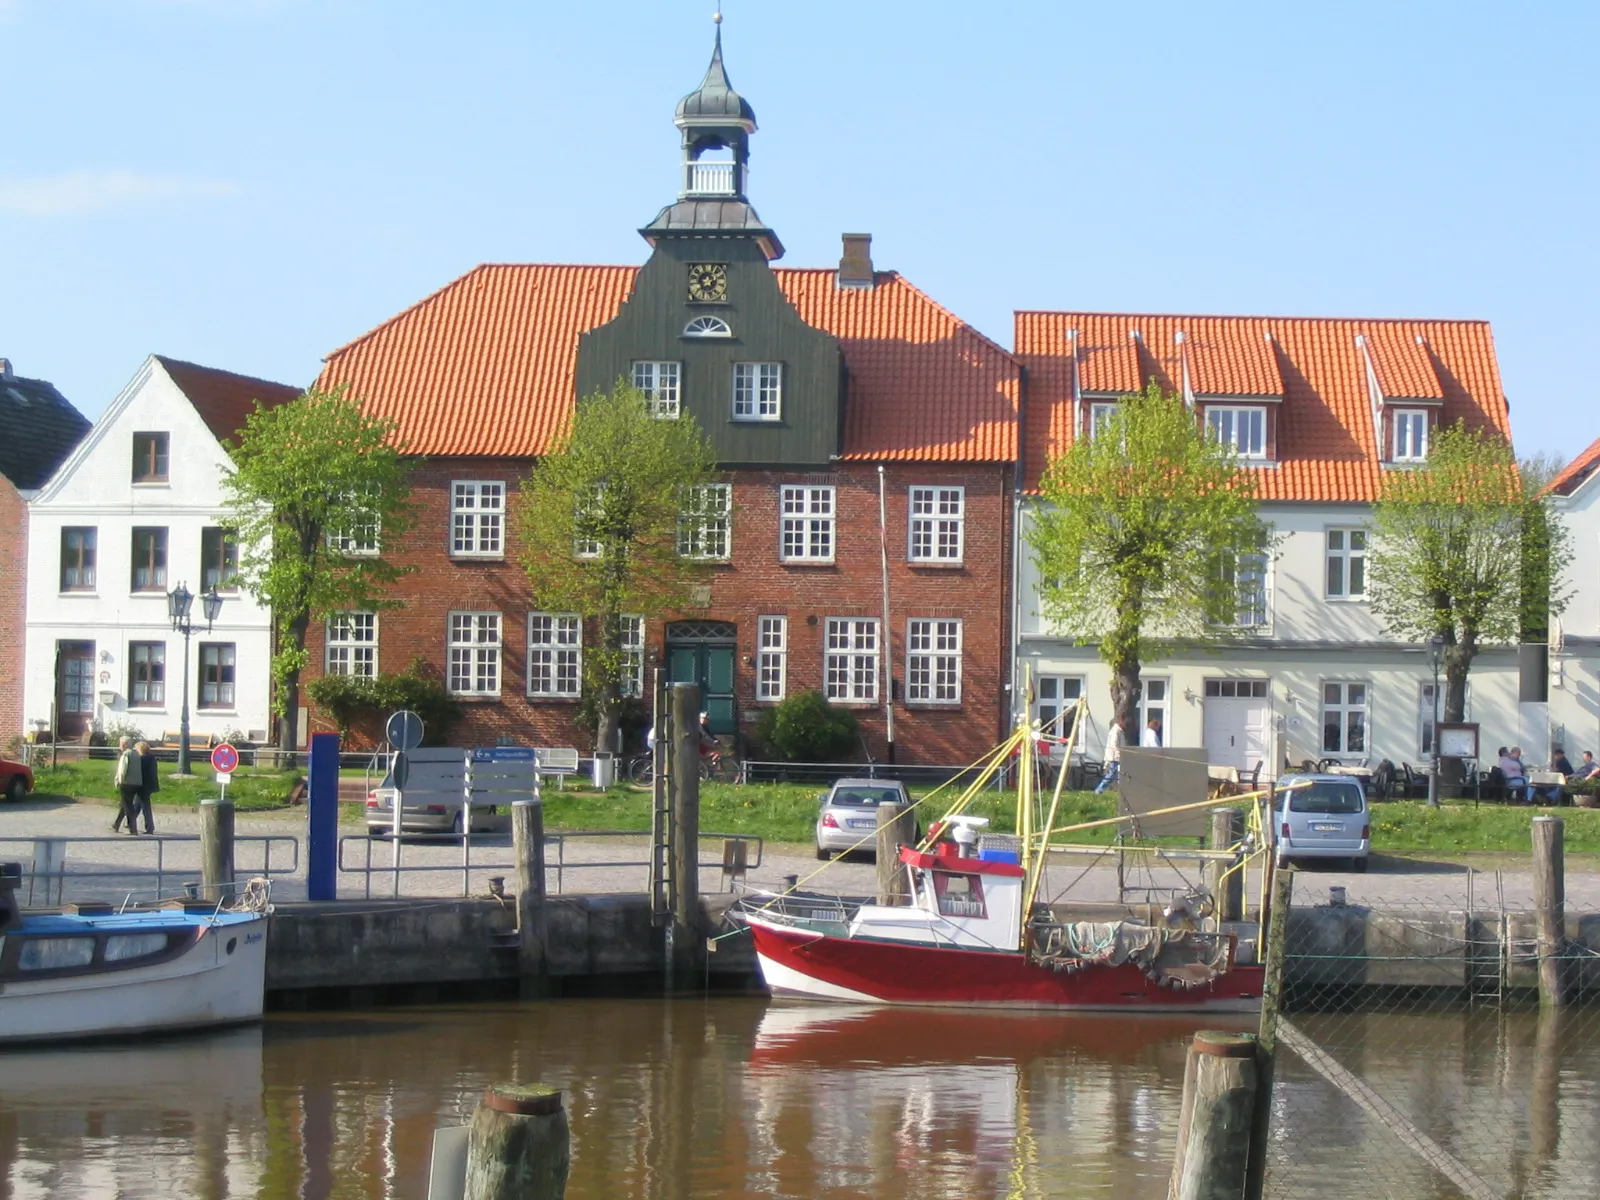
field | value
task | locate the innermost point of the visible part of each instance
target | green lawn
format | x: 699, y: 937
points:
x: 92, y: 780
x: 1410, y: 826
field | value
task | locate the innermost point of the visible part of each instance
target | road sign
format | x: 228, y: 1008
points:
x: 224, y: 758
x: 503, y: 754
x: 404, y: 730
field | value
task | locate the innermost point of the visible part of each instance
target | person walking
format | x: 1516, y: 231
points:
x: 1152, y: 734
x: 1114, y: 738
x: 149, y: 783
x: 129, y: 778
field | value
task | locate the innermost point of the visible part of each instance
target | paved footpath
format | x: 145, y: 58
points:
x: 109, y: 866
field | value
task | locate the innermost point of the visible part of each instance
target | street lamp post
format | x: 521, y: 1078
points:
x: 1435, y: 655
x: 179, y: 602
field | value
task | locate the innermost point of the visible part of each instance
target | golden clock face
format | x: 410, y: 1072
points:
x: 708, y: 281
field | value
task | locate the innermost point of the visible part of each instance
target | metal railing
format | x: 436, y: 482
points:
x: 49, y: 860
x: 557, y: 863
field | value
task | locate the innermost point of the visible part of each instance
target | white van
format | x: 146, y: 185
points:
x: 1322, y: 816
x: 436, y: 778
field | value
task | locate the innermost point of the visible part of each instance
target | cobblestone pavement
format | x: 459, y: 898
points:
x: 109, y: 865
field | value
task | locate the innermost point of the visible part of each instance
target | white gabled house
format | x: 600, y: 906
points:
x: 130, y: 515
x: 1321, y: 409
x: 1575, y: 634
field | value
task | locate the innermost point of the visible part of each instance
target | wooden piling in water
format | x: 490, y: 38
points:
x: 896, y: 828
x: 1274, y: 945
x: 1219, y: 1100
x: 1549, y: 903
x: 1227, y: 827
x: 687, y: 948
x: 216, y: 850
x: 518, y: 1145
x: 527, y: 840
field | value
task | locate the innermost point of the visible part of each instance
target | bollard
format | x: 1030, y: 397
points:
x: 686, y: 941
x: 527, y: 839
x: 892, y: 886
x: 1219, y: 1096
x: 1549, y: 903
x: 1227, y: 827
x: 216, y: 850
x: 517, y: 1145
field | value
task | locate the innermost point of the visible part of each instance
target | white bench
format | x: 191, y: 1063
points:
x: 559, y: 761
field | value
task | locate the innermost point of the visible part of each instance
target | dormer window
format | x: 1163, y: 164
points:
x: 1245, y: 429
x: 707, y: 327
x: 1411, y: 435
x: 1100, y: 414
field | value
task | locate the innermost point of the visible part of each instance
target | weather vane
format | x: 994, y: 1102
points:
x: 717, y: 20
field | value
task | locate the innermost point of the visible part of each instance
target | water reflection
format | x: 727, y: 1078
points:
x: 741, y: 1098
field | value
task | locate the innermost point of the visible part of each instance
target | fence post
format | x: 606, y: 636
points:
x: 687, y: 947
x: 527, y: 839
x: 1549, y: 902
x: 518, y: 1145
x: 1227, y: 826
x: 1219, y: 1097
x: 891, y: 836
x: 1277, y: 922
x: 216, y: 850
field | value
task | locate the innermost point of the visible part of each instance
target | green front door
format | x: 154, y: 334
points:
x: 708, y: 662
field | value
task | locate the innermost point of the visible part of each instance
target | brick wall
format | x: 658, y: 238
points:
x: 752, y: 584
x: 13, y: 608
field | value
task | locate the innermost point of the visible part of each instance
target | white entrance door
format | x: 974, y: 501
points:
x: 1236, y: 722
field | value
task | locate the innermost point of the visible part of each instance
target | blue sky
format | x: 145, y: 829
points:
x: 252, y: 183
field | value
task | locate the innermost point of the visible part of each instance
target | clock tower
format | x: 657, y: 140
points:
x: 708, y: 329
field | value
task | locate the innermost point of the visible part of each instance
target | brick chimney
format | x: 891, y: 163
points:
x: 855, y: 264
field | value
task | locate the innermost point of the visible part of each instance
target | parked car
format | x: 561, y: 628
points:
x: 432, y: 797
x: 16, y: 779
x: 1325, y: 817
x: 849, y: 813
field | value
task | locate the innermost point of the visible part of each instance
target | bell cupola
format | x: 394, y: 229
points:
x: 716, y: 123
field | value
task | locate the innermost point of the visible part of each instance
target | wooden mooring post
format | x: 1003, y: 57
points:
x: 1227, y: 827
x: 216, y: 850
x: 1219, y: 1101
x: 686, y: 948
x: 1549, y: 903
x: 518, y: 1145
x: 527, y: 840
x: 896, y: 828
x: 1274, y: 946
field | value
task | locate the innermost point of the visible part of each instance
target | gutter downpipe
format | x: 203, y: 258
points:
x: 888, y: 656
x: 1019, y: 702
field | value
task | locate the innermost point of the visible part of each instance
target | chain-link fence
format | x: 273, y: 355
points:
x: 1414, y: 1057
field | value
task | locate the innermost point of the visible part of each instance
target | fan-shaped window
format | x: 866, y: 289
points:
x: 707, y: 327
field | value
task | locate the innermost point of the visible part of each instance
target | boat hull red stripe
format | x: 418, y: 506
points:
x: 908, y: 973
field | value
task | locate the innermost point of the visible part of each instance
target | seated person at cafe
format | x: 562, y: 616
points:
x: 1587, y: 767
x: 1560, y: 763
x: 1511, y: 767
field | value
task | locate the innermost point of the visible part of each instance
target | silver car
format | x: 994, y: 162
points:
x: 432, y: 794
x: 849, y: 814
x: 1325, y: 817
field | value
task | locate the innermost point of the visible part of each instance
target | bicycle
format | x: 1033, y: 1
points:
x: 641, y: 768
x: 715, y: 766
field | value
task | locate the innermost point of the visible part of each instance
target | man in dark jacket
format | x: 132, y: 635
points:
x: 149, y: 784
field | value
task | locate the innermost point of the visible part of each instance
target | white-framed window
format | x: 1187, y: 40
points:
x: 477, y: 518
x: 938, y: 515
x: 1245, y: 578
x: 933, y: 661
x: 1054, y: 695
x: 707, y: 327
x: 1344, y: 718
x: 1347, y: 564
x: 555, y: 654
x: 1427, y: 718
x: 474, y: 653
x: 352, y: 644
x: 1236, y: 689
x: 588, y: 513
x: 806, y: 526
x: 632, y: 656
x: 1411, y: 435
x: 772, y: 658
x: 705, y: 522
x: 659, y: 383
x: 757, y: 391
x: 359, y: 535
x: 1100, y: 414
x: 850, y: 661
x: 1245, y: 429
x: 1155, y: 699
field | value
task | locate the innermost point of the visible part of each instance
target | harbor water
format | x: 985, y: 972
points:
x: 720, y: 1097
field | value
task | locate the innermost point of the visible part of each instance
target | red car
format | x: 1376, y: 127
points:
x: 16, y: 780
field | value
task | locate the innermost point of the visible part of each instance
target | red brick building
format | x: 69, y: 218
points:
x: 38, y: 429
x: 855, y: 421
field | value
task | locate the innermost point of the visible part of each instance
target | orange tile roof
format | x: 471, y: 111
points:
x: 1325, y: 440
x: 1576, y: 471
x: 222, y: 398
x: 485, y: 366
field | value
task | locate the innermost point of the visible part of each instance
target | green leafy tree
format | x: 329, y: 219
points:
x: 1455, y: 545
x: 619, y: 519
x: 1540, y: 572
x: 318, y: 488
x: 1139, y: 539
x: 804, y: 727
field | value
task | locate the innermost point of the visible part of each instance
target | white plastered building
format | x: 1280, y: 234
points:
x: 1575, y: 634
